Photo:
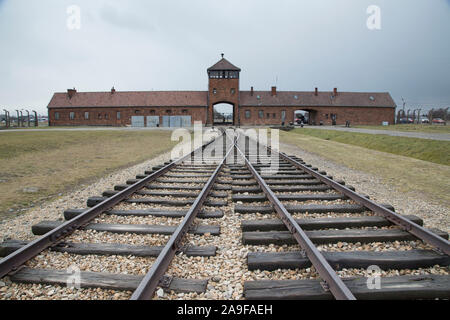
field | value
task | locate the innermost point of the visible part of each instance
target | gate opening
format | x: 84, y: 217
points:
x: 304, y: 117
x: 223, y: 114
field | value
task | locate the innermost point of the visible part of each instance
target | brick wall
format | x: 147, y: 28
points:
x: 223, y: 93
x: 362, y: 115
x: 108, y: 116
x: 271, y: 115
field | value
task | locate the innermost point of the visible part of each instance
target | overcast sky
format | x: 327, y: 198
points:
x: 168, y: 45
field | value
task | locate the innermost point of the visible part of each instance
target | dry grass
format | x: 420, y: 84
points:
x: 57, y: 161
x: 405, y: 173
x: 422, y: 149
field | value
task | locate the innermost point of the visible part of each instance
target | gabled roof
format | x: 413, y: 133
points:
x: 130, y: 99
x: 225, y: 65
x: 324, y: 98
x: 199, y: 99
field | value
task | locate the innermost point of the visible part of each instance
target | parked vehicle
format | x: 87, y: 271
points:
x: 406, y: 120
x: 424, y: 120
x: 438, y: 121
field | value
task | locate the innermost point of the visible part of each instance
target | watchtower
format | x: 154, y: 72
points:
x: 223, y: 87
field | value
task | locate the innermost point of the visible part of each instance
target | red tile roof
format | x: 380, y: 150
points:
x: 302, y: 98
x: 199, y: 98
x: 130, y: 99
x: 224, y: 64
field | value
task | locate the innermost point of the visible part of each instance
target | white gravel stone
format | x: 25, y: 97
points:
x: 160, y: 293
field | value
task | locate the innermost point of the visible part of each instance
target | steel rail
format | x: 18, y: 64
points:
x: 337, y: 287
x: 16, y: 259
x: 151, y: 280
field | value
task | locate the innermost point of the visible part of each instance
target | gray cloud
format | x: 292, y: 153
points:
x: 125, y: 19
x: 168, y: 45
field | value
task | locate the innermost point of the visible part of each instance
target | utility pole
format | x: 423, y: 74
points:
x: 6, y: 118
x: 21, y: 118
x: 28, y: 117
x: 35, y: 118
x: 17, y: 118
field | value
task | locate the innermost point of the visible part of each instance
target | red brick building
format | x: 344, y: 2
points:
x: 182, y: 108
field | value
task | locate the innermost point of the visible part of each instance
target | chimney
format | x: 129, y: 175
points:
x: 335, y: 93
x: 274, y: 91
x: 316, y: 92
x: 71, y: 92
x: 251, y: 91
x: 113, y: 90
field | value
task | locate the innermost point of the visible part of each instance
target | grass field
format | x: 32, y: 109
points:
x: 405, y: 173
x: 57, y: 161
x: 411, y: 128
x: 422, y: 149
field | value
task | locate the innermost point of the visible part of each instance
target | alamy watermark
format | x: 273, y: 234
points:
x: 74, y: 279
x: 252, y: 140
x: 374, y: 19
x: 373, y: 277
x: 73, y: 21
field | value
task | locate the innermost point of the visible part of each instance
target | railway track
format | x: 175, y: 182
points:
x: 165, y: 217
x: 305, y: 207
x: 296, y: 233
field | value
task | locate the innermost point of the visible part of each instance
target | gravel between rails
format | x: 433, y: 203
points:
x: 166, y: 221
x: 92, y: 236
x: 94, y: 263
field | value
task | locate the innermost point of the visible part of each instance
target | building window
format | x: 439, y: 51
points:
x: 99, y: 116
x: 268, y: 115
x: 137, y: 111
x: 283, y: 115
x: 247, y: 114
x: 233, y: 90
x: 106, y: 116
x: 72, y: 115
x: 118, y: 115
x: 274, y: 115
x: 185, y: 111
x: 56, y: 115
x: 152, y: 112
x: 214, y: 91
x: 169, y: 111
x: 86, y: 115
x: 261, y: 114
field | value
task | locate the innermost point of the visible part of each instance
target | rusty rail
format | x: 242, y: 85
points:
x: 16, y: 259
x: 326, y: 272
x: 152, y: 279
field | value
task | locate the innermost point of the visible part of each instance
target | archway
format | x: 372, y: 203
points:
x: 304, y: 116
x: 223, y: 114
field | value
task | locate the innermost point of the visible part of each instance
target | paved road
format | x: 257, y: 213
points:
x: 421, y: 135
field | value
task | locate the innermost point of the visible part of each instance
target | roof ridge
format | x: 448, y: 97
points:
x: 136, y: 91
x: 224, y: 64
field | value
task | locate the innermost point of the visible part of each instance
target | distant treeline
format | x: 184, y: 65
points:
x: 442, y: 113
